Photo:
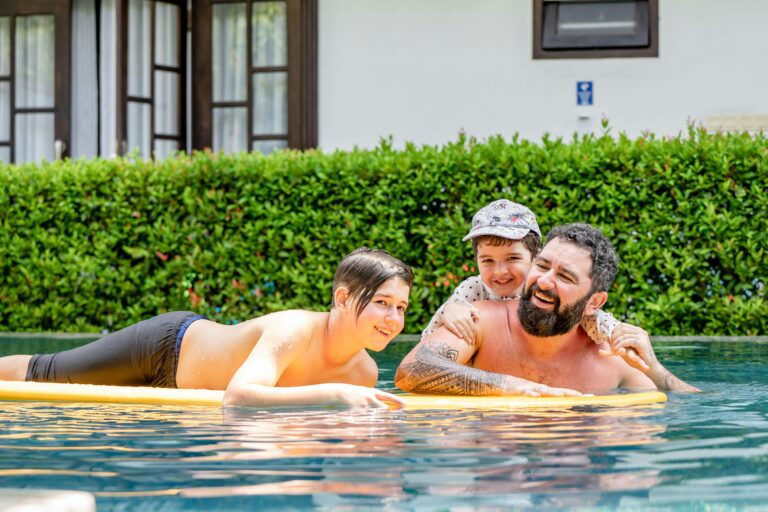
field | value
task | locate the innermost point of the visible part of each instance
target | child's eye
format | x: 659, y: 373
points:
x: 402, y: 309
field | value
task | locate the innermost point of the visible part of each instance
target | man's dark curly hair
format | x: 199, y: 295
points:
x: 605, y: 261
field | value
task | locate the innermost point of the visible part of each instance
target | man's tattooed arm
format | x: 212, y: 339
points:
x: 434, y: 371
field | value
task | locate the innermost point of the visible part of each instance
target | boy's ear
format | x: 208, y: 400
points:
x: 595, y: 302
x: 341, y: 298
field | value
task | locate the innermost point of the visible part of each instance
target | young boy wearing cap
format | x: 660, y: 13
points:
x: 505, y: 238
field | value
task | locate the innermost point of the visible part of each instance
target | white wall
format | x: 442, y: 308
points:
x: 422, y: 70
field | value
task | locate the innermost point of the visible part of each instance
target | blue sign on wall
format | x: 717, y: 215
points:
x: 584, y: 93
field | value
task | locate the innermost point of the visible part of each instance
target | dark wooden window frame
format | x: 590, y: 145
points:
x: 651, y: 50
x: 302, y: 75
x: 123, y: 98
x: 62, y: 100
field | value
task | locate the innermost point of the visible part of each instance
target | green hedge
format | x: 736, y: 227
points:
x: 94, y: 245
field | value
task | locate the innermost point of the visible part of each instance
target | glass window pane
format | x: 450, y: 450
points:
x: 5, y: 46
x: 165, y: 148
x: 84, y: 130
x: 230, y: 129
x: 33, y: 140
x: 138, y: 128
x: 166, y: 34
x: 139, y: 76
x: 270, y: 103
x: 268, y: 146
x: 107, y: 41
x: 5, y: 154
x: 166, y: 103
x: 596, y: 18
x: 228, y: 52
x: 270, y: 46
x: 5, y: 110
x: 34, y: 61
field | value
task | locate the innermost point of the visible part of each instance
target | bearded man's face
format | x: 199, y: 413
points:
x: 544, y: 323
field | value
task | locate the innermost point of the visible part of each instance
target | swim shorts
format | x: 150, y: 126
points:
x: 144, y: 354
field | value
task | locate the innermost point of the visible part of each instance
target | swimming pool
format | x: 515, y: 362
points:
x: 696, y: 452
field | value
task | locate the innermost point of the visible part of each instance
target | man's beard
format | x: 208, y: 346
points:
x: 542, y: 323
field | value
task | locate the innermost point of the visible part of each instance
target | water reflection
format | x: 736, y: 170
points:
x: 331, y: 458
x: 405, y: 454
x: 706, y: 449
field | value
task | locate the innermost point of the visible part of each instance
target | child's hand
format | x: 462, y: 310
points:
x: 361, y: 396
x: 632, y: 344
x: 459, y: 318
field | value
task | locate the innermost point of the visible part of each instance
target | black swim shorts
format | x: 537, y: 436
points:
x: 144, y: 354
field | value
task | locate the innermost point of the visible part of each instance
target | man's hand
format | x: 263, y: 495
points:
x: 459, y: 318
x: 516, y: 386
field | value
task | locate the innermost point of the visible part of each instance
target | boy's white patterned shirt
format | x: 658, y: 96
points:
x: 598, y: 327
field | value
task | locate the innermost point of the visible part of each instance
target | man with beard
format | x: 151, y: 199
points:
x: 534, y: 346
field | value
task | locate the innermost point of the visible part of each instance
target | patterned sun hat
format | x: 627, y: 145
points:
x: 504, y: 219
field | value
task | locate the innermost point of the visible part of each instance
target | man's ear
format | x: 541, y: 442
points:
x: 595, y: 302
x: 341, y: 298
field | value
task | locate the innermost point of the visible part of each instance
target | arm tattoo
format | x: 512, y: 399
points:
x: 436, y: 372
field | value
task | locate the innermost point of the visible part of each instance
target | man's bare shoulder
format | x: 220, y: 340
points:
x: 495, y: 319
x: 496, y: 307
x: 627, y: 375
x: 604, y: 372
x: 494, y: 311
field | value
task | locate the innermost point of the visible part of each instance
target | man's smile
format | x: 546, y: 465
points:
x: 544, y: 298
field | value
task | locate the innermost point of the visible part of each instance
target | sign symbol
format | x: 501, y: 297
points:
x: 584, y: 94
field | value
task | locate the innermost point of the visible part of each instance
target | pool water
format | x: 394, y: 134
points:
x: 706, y: 451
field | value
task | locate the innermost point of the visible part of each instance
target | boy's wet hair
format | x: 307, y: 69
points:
x: 364, y: 270
x: 531, y: 241
x: 605, y: 261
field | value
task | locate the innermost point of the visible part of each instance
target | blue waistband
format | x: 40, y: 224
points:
x: 184, y: 325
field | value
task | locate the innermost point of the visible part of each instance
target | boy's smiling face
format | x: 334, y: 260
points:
x: 503, y: 268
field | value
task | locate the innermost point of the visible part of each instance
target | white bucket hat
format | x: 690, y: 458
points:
x: 504, y: 219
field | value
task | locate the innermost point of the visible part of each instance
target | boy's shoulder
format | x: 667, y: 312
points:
x: 472, y: 289
x: 473, y: 280
x: 364, y: 371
